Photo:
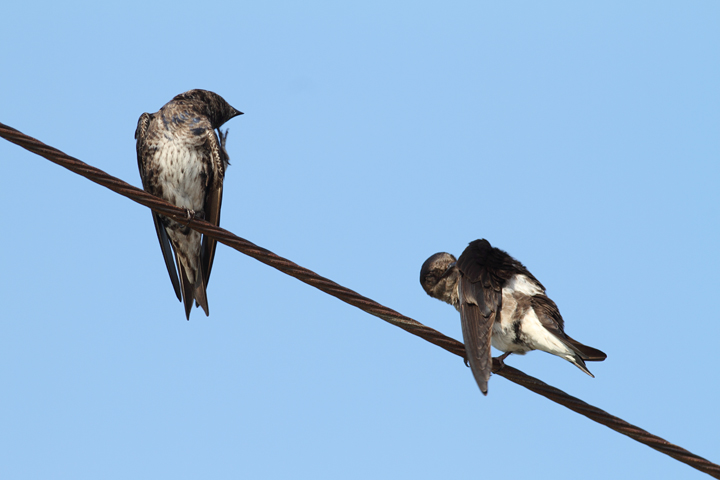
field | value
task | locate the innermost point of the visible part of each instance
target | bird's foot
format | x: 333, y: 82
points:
x: 501, y: 360
x: 466, y: 362
x: 223, y: 136
x: 191, y: 214
x: 223, y: 139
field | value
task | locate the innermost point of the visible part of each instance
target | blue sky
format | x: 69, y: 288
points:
x: 581, y: 137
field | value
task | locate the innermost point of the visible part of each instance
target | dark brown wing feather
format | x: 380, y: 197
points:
x: 549, y: 315
x: 165, y: 246
x: 481, y: 262
x: 167, y: 252
x: 140, y: 132
x: 478, y: 309
x: 187, y: 289
x: 213, y: 202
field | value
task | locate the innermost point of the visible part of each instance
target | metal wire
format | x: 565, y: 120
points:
x: 355, y: 299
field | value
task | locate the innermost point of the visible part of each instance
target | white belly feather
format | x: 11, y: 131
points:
x: 533, y: 335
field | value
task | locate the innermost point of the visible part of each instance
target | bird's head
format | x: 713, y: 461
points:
x: 215, y: 107
x: 439, y: 277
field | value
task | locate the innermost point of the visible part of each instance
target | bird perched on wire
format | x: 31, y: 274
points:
x: 183, y: 161
x: 502, y: 303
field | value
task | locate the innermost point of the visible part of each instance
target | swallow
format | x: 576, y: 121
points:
x: 182, y: 160
x: 501, y: 304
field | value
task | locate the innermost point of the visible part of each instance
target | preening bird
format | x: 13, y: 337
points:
x: 503, y: 304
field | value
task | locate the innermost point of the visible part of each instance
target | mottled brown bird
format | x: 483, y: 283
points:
x: 503, y: 304
x: 183, y: 161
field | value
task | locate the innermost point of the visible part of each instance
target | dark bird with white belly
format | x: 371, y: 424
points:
x: 182, y: 160
x: 503, y: 304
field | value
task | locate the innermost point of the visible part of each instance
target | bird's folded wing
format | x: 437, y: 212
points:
x: 478, y: 309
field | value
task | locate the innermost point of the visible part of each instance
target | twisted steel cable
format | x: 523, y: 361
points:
x: 353, y: 298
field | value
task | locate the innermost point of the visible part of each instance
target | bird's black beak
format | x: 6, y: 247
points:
x: 449, y: 270
x: 236, y: 113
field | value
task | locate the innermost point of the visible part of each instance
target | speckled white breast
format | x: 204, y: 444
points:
x: 179, y: 175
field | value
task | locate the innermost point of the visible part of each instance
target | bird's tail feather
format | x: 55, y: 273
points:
x: 187, y: 288
x: 589, y: 354
x: 578, y: 362
x: 201, y: 293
